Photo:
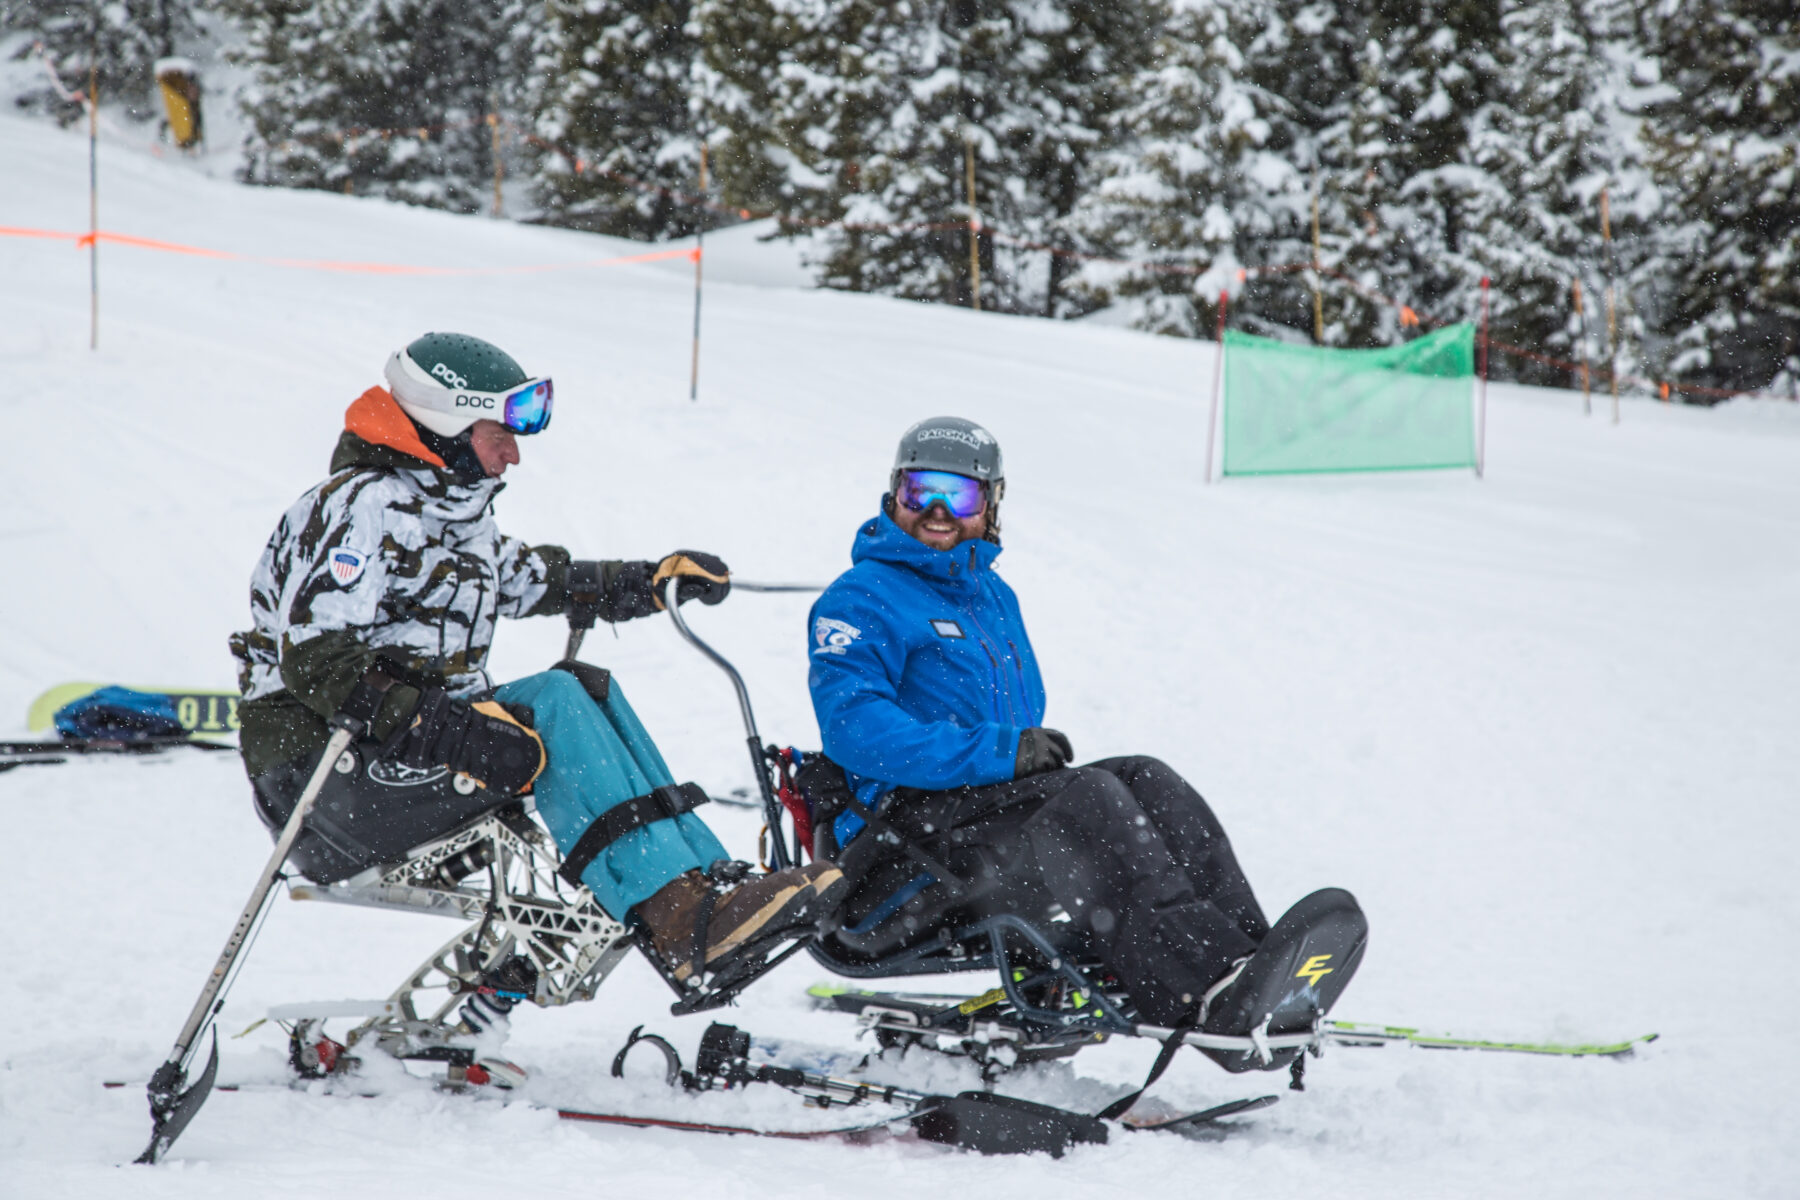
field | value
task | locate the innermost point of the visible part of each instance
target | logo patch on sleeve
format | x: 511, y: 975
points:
x: 832, y: 636
x: 347, y: 565
x: 948, y: 629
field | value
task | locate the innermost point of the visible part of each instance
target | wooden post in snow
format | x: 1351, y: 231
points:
x: 1612, y: 320
x: 1481, y: 408
x: 493, y: 120
x: 1587, y: 404
x: 1318, y: 292
x: 699, y: 254
x: 1212, y: 416
x: 93, y: 99
x: 974, y: 220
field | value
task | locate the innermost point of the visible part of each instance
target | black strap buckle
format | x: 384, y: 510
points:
x: 662, y: 804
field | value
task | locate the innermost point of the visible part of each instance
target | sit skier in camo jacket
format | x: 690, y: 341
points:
x: 394, y: 564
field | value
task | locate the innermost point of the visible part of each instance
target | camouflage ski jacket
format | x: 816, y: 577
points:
x: 391, y: 558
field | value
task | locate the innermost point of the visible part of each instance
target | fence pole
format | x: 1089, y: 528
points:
x: 1587, y: 404
x: 1212, y: 416
x: 94, y: 175
x: 699, y: 254
x: 974, y: 221
x: 1318, y: 292
x: 493, y: 120
x: 1612, y: 322
x: 1481, y: 408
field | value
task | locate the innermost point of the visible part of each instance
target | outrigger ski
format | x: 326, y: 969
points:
x: 934, y: 1019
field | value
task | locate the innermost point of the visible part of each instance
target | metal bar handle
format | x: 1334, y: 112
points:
x: 718, y: 660
x: 771, y: 806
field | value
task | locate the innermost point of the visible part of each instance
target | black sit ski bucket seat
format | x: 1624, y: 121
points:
x: 924, y: 868
x: 372, y: 811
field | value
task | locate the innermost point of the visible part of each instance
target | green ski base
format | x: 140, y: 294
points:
x: 1343, y: 1033
x: 1354, y: 1032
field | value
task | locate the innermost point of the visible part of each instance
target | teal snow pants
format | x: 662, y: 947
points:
x: 600, y: 756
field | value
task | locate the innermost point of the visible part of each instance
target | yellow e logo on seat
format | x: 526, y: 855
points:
x: 1315, y: 969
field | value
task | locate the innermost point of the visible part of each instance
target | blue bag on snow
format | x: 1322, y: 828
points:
x: 119, y: 714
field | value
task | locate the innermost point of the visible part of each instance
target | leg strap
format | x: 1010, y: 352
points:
x: 1164, y: 1057
x: 596, y: 680
x: 665, y: 803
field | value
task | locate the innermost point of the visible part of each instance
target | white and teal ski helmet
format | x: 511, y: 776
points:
x: 448, y: 381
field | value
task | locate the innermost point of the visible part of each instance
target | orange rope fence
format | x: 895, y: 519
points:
x: 1409, y: 318
x: 83, y: 240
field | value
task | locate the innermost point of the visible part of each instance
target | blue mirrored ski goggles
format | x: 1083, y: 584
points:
x: 962, y: 496
x: 527, y: 409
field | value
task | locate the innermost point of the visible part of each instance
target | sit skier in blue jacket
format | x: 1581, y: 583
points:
x: 928, y: 695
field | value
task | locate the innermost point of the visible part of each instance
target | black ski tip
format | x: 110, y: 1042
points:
x: 171, y: 1108
x: 989, y: 1123
x: 1205, y: 1116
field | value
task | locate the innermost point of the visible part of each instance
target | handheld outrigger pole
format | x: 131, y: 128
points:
x: 172, y: 1102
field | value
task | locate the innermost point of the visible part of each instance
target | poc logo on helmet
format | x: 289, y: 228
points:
x: 467, y: 401
x: 450, y: 377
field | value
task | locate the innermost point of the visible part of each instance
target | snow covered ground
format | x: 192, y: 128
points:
x: 1542, y: 725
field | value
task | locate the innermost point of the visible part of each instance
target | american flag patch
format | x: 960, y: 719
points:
x: 347, y: 565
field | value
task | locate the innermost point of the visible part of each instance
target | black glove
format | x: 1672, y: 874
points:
x: 1042, y: 750
x: 623, y: 591
x: 702, y: 576
x: 490, y: 743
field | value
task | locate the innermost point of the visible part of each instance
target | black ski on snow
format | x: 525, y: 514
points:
x: 29, y: 754
x: 1205, y: 1116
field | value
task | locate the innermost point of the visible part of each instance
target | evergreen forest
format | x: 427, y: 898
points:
x: 1627, y: 175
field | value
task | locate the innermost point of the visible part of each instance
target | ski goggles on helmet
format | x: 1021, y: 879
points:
x: 962, y: 496
x: 527, y: 407
x: 524, y: 408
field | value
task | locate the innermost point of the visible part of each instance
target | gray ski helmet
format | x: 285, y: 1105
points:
x: 952, y: 444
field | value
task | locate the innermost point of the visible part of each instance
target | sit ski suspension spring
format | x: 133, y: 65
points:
x: 502, y: 989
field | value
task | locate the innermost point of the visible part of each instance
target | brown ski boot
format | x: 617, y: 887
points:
x: 828, y: 885
x: 685, y: 933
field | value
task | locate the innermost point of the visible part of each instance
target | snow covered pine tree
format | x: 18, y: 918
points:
x: 1547, y: 144
x: 610, y: 90
x: 1725, y: 151
x: 130, y: 37
x: 867, y: 110
x: 1202, y: 177
x: 386, y: 98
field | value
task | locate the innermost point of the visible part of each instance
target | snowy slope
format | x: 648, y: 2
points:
x: 1542, y: 725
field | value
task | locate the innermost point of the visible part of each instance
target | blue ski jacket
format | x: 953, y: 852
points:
x: 921, y: 673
